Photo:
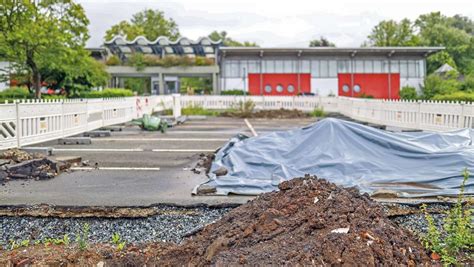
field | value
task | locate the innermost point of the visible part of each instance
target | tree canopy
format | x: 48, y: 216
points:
x: 321, y: 42
x: 227, y: 41
x: 432, y: 29
x: 149, y: 23
x: 45, y: 35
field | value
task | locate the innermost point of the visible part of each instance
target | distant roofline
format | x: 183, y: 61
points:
x: 159, y: 38
x: 350, y: 50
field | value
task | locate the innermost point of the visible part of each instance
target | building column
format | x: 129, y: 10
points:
x: 121, y: 82
x: 161, y: 84
x: 215, y: 89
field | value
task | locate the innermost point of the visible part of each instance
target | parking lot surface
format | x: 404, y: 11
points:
x: 140, y: 168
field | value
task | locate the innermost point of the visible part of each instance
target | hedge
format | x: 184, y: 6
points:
x: 233, y: 92
x: 108, y: 92
x: 456, y: 96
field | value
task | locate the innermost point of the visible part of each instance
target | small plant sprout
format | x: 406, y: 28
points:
x: 457, y: 234
x: 82, y: 237
x: 117, y: 240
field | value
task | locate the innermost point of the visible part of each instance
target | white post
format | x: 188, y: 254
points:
x: 18, y: 123
x: 176, y: 105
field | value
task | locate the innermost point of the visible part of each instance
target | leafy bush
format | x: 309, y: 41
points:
x: 437, y: 85
x: 15, y: 93
x: 408, y: 92
x: 456, y: 96
x: 318, y: 112
x: 109, y: 92
x: 363, y: 95
x: 198, y: 110
x: 233, y: 92
x: 457, y: 235
x: 113, y: 61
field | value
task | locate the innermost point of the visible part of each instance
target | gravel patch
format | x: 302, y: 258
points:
x: 163, y: 227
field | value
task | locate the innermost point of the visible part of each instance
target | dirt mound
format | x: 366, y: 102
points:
x: 309, y: 221
x: 268, y: 114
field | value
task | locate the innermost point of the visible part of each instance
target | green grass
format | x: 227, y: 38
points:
x: 318, y: 112
x: 198, y: 110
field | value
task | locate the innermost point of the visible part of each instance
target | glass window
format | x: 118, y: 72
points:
x: 403, y: 68
x: 269, y: 66
x: 305, y: 66
x: 345, y: 88
x: 288, y: 66
x: 243, y: 68
x: 359, y: 66
x: 377, y: 66
x: 343, y: 66
x: 368, y: 66
x: 385, y: 66
x: 332, y: 68
x: 421, y: 68
x: 324, y: 68
x: 356, y: 88
x: 291, y: 88
x: 208, y: 49
x: 279, y: 88
x: 315, y: 68
x: 234, y: 69
x: 268, y: 88
x: 279, y: 66
x: 394, y: 66
x: 188, y: 49
x: 412, y: 69
x: 253, y: 66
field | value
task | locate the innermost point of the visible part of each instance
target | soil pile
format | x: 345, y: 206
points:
x: 268, y: 114
x: 309, y: 221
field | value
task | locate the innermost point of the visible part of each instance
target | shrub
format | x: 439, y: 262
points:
x: 233, y: 92
x: 109, y: 92
x: 318, y: 112
x: 408, y: 92
x: 437, y: 85
x: 15, y: 93
x: 198, y: 110
x: 113, y: 61
x: 456, y: 96
x: 363, y: 95
x: 457, y: 235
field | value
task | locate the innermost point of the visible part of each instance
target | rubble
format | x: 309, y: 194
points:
x: 268, y: 114
x: 18, y: 164
x: 289, y: 228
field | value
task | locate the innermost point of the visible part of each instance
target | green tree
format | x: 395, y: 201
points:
x: 149, y: 23
x: 438, y: 85
x: 41, y: 34
x: 227, y: 41
x: 435, y: 61
x: 321, y: 42
x: 392, y: 33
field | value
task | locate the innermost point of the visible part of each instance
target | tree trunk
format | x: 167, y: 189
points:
x: 35, y: 73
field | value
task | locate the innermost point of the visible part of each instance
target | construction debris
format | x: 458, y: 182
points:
x: 151, y: 123
x: 18, y: 164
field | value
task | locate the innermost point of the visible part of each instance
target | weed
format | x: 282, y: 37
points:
x: 57, y: 241
x: 318, y: 112
x: 117, y: 240
x: 23, y: 243
x: 457, y: 233
x: 198, y: 110
x: 82, y: 237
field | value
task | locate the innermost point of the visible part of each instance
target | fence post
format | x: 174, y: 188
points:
x: 461, y: 117
x: 176, y: 105
x: 18, y: 123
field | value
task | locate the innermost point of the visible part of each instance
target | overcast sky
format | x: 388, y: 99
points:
x: 272, y: 23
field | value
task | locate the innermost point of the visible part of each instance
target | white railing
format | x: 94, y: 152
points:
x: 422, y: 115
x: 29, y: 122
x: 33, y: 121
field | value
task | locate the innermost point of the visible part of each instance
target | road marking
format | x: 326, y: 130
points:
x: 202, y: 132
x: 250, y: 127
x: 183, y: 150
x: 99, y: 149
x: 161, y: 139
x: 116, y: 168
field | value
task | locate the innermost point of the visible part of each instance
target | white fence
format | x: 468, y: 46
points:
x: 29, y: 122
x: 34, y: 121
x: 423, y: 115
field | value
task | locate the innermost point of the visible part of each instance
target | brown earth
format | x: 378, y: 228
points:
x: 268, y: 114
x: 295, y: 227
x: 308, y: 222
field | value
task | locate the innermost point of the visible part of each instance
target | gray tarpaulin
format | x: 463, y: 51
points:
x: 348, y: 154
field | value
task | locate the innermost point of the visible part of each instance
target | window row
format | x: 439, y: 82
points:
x: 279, y: 88
x: 346, y: 88
x: 324, y: 68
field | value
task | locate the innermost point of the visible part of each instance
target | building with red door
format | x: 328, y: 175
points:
x: 378, y: 72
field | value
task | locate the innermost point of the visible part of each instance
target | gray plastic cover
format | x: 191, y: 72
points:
x: 413, y: 164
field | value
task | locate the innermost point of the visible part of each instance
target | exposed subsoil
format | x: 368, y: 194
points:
x: 204, y: 163
x: 268, y: 114
x: 308, y: 222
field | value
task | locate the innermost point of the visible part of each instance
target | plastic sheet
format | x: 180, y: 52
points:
x: 348, y: 154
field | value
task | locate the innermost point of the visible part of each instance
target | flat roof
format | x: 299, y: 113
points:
x: 414, y: 51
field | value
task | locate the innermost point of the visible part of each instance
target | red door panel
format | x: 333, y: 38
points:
x: 288, y: 83
x: 371, y: 84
